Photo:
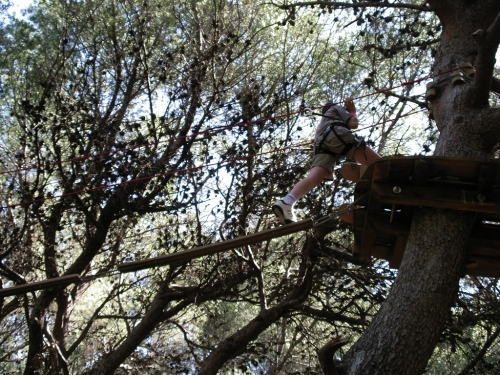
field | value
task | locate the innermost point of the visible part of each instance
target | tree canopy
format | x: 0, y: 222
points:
x: 134, y: 129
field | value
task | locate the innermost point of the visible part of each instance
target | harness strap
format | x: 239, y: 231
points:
x: 347, y: 146
x: 331, y: 128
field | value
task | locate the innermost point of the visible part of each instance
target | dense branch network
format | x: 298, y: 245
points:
x: 355, y: 4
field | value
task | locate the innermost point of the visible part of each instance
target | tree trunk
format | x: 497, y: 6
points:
x: 403, y: 334
x: 405, y: 331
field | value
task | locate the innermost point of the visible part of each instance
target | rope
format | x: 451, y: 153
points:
x: 194, y: 135
x: 185, y: 170
x: 146, y: 178
x: 222, y: 128
x: 85, y: 279
x: 89, y: 278
x: 349, y: 208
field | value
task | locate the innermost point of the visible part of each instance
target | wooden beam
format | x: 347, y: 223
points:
x: 439, y: 182
x: 359, y: 220
x: 217, y: 247
x: 421, y: 172
x: 381, y: 171
x: 463, y: 169
x: 367, y: 235
x: 486, y: 267
x: 455, y: 199
x: 367, y: 240
x: 487, y: 177
x: 44, y: 284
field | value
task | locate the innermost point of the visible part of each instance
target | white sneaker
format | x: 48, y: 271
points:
x: 284, y: 212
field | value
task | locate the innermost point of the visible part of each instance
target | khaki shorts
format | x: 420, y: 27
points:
x: 333, y: 144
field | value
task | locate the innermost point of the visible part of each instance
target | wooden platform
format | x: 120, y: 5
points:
x: 396, y: 185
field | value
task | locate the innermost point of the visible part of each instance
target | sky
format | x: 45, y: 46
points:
x: 17, y: 5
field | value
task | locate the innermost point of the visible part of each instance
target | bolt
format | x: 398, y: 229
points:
x: 396, y: 189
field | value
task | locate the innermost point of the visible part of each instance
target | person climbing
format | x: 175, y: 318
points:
x: 333, y: 140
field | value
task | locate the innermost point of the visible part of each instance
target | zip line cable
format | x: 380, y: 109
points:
x: 221, y: 128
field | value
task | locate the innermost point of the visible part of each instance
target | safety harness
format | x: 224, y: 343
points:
x: 326, y: 132
x: 331, y: 129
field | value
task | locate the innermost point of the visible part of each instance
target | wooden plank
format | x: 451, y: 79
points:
x: 44, y: 284
x: 463, y: 169
x: 487, y: 177
x: 401, y: 169
x: 216, y: 247
x: 485, y: 267
x: 381, y: 171
x: 455, y: 199
x: 367, y: 235
x: 359, y: 220
x: 421, y: 172
x: 449, y: 183
x: 362, y: 186
x: 380, y: 223
x: 367, y: 240
x: 358, y: 225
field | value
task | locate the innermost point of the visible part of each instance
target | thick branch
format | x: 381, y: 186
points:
x: 237, y: 342
x: 157, y: 314
x: 326, y: 353
x: 442, y: 8
x: 487, y: 42
x: 110, y: 362
x: 331, y: 316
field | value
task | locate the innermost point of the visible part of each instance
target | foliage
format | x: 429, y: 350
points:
x: 144, y: 128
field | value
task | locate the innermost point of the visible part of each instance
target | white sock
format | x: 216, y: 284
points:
x: 289, y: 199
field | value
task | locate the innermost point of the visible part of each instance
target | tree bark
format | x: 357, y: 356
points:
x: 404, y: 333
